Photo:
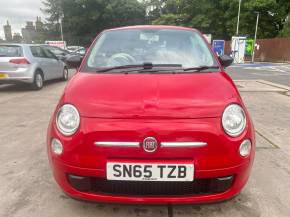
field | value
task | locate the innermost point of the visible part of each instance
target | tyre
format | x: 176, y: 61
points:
x: 38, y: 81
x: 65, y: 74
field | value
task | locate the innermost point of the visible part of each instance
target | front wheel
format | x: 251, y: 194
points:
x: 65, y: 74
x: 38, y: 81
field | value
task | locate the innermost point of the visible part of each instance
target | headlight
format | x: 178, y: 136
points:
x: 68, y: 120
x: 234, y: 120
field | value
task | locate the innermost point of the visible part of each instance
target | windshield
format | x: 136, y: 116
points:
x: 156, y: 46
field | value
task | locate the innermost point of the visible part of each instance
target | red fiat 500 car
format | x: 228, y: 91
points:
x: 151, y: 117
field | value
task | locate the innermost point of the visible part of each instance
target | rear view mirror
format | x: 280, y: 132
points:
x: 226, y: 60
x: 74, y: 61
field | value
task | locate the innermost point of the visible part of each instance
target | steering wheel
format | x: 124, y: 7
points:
x: 120, y: 59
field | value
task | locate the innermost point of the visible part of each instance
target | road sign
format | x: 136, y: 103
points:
x: 219, y: 47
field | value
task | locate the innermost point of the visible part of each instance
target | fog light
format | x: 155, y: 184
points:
x: 245, y: 148
x: 56, y: 146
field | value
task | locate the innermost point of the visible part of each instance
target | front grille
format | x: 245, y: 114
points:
x: 139, y: 188
x: 153, y: 188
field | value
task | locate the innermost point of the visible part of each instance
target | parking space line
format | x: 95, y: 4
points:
x: 286, y: 88
x: 276, y: 69
x: 288, y: 66
x: 170, y: 210
x: 268, y: 140
x: 282, y: 68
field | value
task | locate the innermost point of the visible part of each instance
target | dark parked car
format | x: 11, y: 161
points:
x: 57, y: 51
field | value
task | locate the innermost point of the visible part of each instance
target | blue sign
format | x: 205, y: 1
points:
x: 219, y: 47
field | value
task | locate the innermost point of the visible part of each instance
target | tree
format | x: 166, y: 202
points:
x: 205, y: 15
x: 53, y: 8
x: 83, y: 19
x: 285, y: 21
x: 154, y: 8
x: 220, y: 17
x: 270, y: 23
x: 285, y: 32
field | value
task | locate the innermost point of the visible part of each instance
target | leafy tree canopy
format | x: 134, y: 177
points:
x: 83, y: 19
x: 220, y: 17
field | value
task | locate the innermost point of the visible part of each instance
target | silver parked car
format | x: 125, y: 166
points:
x: 29, y: 64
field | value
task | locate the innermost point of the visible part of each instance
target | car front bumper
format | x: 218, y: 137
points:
x: 81, y: 170
x: 240, y: 173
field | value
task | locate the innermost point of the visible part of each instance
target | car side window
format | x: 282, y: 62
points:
x: 49, y: 54
x: 37, y: 52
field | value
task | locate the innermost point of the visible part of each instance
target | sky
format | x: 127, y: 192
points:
x: 17, y: 12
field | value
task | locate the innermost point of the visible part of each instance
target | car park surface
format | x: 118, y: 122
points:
x: 30, y: 190
x: 272, y: 72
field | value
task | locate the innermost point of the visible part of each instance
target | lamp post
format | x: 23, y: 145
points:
x: 61, y: 32
x: 256, y: 31
x: 61, y: 16
x: 239, y: 12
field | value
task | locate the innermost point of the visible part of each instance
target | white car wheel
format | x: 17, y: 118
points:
x: 38, y: 81
x: 65, y: 74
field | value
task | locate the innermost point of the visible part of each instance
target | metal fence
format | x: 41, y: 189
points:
x: 271, y: 50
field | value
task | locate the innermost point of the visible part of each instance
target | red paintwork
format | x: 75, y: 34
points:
x: 169, y: 107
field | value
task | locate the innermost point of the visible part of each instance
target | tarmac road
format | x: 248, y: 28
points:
x: 273, y: 72
x: 28, y: 189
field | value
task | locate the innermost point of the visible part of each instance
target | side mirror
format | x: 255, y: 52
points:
x: 74, y: 61
x: 226, y: 60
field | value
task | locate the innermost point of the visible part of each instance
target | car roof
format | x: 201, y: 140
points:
x: 153, y: 27
x: 23, y: 44
x: 19, y: 44
x: 47, y: 45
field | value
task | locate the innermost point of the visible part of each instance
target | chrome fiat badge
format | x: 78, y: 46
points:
x: 150, y: 144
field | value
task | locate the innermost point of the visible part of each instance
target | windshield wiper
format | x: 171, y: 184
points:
x: 144, y: 66
x: 200, y: 68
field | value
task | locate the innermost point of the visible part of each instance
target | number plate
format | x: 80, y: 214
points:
x: 150, y: 172
x: 3, y: 75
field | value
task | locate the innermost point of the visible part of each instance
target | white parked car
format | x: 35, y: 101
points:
x: 29, y: 64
